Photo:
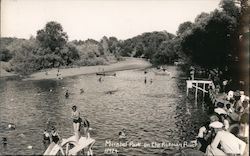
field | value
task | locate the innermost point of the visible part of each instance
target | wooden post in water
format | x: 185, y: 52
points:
x: 204, y: 85
x: 196, y: 92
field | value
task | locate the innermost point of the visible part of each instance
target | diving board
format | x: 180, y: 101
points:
x: 83, y: 143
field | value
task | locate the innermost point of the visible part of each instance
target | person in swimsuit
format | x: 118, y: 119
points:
x: 46, y: 138
x: 54, y: 136
x: 85, y: 127
x: 67, y: 94
x: 54, y: 139
x: 76, y: 121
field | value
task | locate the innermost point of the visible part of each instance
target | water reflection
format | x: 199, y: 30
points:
x: 149, y: 112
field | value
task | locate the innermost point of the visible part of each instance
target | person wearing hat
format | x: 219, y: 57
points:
x: 205, y: 135
x: 230, y: 144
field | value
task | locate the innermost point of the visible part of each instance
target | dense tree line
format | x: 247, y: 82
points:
x: 211, y: 41
x: 158, y: 47
x: 51, y: 49
x: 214, y: 40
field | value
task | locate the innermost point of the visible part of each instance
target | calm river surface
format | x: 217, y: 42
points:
x: 157, y: 112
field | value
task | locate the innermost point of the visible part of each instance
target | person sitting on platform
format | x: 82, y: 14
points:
x: 228, y: 108
x: 220, y: 108
x: 223, y: 119
x: 205, y: 135
x: 230, y: 144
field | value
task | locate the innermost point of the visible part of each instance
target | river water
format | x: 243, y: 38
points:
x: 153, y: 112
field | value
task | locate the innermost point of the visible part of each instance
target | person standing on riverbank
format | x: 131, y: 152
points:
x: 191, y: 72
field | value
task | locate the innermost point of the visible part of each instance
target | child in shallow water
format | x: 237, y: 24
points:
x: 54, y: 136
x: 122, y: 134
x: 67, y: 94
x: 46, y: 138
x: 54, y: 139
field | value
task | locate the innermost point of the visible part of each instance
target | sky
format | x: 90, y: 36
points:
x: 83, y: 19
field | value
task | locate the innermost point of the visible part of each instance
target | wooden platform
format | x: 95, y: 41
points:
x: 195, y: 84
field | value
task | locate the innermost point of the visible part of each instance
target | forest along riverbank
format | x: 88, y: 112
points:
x: 127, y: 64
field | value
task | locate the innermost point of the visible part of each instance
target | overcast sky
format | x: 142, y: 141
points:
x: 83, y: 19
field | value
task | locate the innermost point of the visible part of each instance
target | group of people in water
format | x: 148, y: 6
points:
x: 227, y: 131
x: 80, y: 124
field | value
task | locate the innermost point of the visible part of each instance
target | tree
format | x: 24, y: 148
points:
x: 139, y: 50
x: 24, y: 60
x: 184, y: 27
x: 52, y: 36
x: 230, y: 8
x: 113, y: 43
x: 211, y: 40
x: 201, y: 17
x: 54, y: 50
x: 5, y: 54
x: 166, y: 53
x: 105, y: 45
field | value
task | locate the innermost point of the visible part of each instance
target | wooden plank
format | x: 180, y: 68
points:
x: 201, y: 81
x: 196, y: 92
x: 204, y: 89
x: 200, y: 89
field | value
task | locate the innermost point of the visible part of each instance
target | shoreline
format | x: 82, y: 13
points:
x: 127, y: 64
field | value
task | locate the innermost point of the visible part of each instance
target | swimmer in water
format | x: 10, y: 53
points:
x: 81, y: 91
x: 46, y: 138
x: 54, y: 135
x: 67, y: 94
x: 145, y: 80
x: 100, y: 79
x: 4, y: 141
x: 122, y: 134
x: 11, y: 126
x: 54, y: 139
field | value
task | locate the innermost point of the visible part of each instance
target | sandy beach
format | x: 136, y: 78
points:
x: 127, y: 64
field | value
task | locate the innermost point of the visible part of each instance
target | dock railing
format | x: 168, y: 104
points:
x: 195, y: 84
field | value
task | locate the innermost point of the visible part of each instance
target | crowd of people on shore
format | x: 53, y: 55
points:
x: 227, y: 131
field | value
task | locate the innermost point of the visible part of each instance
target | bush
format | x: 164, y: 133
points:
x: 5, y: 55
x: 91, y: 62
